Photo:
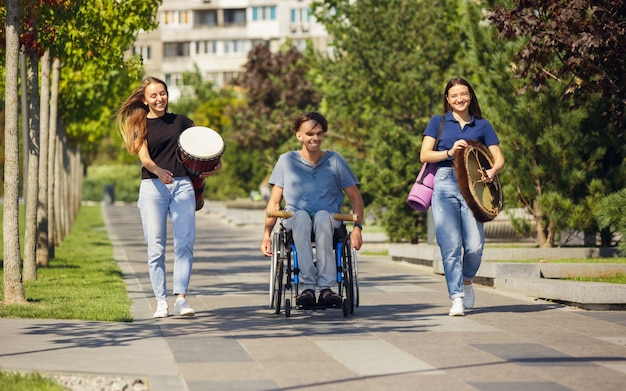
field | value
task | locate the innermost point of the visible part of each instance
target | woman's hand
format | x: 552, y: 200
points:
x: 212, y: 172
x: 459, y: 145
x: 490, y: 174
x: 164, y: 175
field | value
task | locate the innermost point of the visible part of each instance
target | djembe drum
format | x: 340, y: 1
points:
x: 199, y: 150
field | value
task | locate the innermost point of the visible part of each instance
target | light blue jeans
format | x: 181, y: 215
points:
x: 156, y: 202
x: 323, y: 225
x: 460, y: 236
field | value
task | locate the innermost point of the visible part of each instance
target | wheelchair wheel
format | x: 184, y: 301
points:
x: 347, y: 307
x: 277, y: 272
x: 350, y: 281
x: 355, y: 271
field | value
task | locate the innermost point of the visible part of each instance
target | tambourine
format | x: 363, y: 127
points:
x: 484, y: 198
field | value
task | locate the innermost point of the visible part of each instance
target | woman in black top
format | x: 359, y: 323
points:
x: 152, y: 133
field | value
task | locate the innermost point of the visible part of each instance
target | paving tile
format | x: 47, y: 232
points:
x: 520, y: 386
x: 203, y: 349
x: 531, y: 354
x: 375, y: 357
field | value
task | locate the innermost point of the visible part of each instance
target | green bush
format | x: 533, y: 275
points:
x: 125, y: 180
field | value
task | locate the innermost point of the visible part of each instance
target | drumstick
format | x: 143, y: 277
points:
x: 285, y: 214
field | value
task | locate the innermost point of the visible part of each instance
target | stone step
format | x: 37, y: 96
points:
x: 538, y: 280
x: 587, y: 295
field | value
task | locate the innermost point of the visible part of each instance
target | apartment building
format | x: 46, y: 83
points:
x: 216, y: 36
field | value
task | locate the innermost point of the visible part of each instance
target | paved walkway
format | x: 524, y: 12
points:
x: 399, y: 338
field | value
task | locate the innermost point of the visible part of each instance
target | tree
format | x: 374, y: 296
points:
x: 583, y: 38
x: 90, y: 38
x: 381, y: 85
x: 13, y: 288
x: 276, y: 89
x: 558, y: 149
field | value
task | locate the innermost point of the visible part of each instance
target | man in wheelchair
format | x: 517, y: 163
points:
x: 312, y: 183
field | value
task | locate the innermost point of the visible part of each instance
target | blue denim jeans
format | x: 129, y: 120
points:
x: 323, y: 225
x: 460, y: 236
x: 156, y: 202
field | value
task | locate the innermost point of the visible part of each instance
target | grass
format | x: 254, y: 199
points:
x: 13, y: 381
x: 619, y: 260
x: 83, y: 281
x: 618, y: 278
x: 382, y: 253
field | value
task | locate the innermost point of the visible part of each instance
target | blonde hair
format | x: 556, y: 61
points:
x: 131, y: 117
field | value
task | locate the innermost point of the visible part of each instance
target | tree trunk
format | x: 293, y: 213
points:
x: 13, y: 288
x: 52, y: 161
x: 42, y: 194
x: 539, y: 224
x: 24, y: 98
x: 30, y: 220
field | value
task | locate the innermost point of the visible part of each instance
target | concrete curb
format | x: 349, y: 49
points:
x: 537, y: 280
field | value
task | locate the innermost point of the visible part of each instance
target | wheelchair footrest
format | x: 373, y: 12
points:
x: 318, y: 306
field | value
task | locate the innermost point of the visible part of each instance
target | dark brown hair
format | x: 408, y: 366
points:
x: 474, y: 107
x: 310, y: 116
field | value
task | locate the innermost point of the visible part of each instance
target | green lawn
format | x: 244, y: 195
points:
x: 31, y: 381
x: 614, y: 279
x: 570, y: 260
x: 82, y: 282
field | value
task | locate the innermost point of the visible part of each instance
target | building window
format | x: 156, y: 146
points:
x: 145, y: 52
x: 200, y: 47
x: 264, y: 13
x: 234, y: 17
x: 175, y: 18
x: 229, y: 77
x: 238, y: 46
x: 206, y: 47
x: 300, y: 44
x: 300, y: 15
x: 174, y: 79
x: 206, y: 18
x: 176, y: 49
x: 235, y: 46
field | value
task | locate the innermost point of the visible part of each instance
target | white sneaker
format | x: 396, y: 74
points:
x: 457, y: 307
x: 162, y: 309
x: 181, y: 307
x: 469, y: 298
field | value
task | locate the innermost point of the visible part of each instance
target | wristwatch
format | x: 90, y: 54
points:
x: 358, y: 225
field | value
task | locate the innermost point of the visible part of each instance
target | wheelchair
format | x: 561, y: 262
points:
x: 283, y: 286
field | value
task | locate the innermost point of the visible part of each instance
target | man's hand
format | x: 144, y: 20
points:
x: 266, y: 246
x: 356, y: 240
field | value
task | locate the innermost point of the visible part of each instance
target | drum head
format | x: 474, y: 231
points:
x: 485, y: 199
x: 201, y: 142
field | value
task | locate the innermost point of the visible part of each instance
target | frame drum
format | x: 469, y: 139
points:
x: 485, y: 199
